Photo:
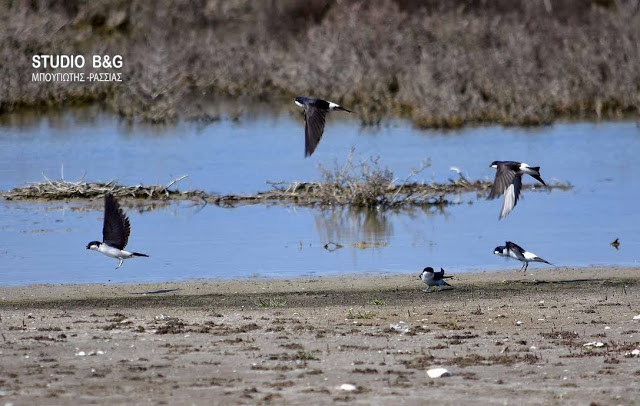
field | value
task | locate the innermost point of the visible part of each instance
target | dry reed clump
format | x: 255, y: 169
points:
x: 439, y: 63
x: 363, y: 184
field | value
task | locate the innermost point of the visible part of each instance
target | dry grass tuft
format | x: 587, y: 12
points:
x: 362, y: 184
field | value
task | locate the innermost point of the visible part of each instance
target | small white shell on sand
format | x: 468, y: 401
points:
x: 635, y: 352
x: 636, y: 317
x: 400, y: 327
x: 348, y: 387
x: 594, y: 344
x: 81, y: 354
x: 438, y: 372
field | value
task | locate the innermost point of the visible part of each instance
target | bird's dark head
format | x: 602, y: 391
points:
x: 498, y: 250
x: 494, y: 164
x: 425, y: 270
x: 93, y: 245
x: 300, y: 101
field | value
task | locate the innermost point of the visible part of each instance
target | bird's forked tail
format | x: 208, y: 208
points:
x: 536, y: 175
x: 340, y: 108
x: 538, y: 259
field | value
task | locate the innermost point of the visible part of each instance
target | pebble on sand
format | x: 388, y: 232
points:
x: 348, y: 387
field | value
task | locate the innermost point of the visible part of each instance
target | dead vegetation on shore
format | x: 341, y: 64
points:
x: 438, y: 63
x: 363, y: 184
x: 80, y: 189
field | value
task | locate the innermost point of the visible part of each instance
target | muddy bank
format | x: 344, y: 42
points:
x: 567, y: 339
x: 440, y: 64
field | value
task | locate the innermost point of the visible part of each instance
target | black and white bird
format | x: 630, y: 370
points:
x: 432, y: 278
x: 515, y: 251
x: 115, y: 233
x: 315, y: 111
x: 509, y: 181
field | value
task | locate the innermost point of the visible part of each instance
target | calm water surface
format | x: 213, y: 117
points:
x: 45, y: 242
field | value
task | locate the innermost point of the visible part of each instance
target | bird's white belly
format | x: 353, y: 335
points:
x: 114, y: 252
x: 429, y: 281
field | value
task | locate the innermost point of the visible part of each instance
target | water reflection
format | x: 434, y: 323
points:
x: 352, y: 224
x: 59, y: 119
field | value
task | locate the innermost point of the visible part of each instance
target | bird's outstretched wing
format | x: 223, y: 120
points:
x: 504, y: 178
x: 511, y: 196
x: 116, y: 228
x: 314, y: 119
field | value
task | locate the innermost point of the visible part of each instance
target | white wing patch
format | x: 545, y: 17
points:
x: 509, y: 201
x: 514, y: 255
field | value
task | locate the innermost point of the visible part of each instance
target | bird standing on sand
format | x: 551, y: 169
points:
x: 315, y: 111
x: 515, y: 251
x: 509, y: 181
x: 115, y: 233
x: 432, y: 278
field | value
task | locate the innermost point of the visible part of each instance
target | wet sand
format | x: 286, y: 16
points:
x: 507, y: 338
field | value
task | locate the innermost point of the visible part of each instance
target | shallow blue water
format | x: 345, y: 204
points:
x: 45, y: 243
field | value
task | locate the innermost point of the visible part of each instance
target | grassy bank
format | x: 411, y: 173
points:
x: 438, y: 63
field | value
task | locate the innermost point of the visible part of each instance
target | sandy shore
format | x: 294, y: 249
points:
x: 505, y: 338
